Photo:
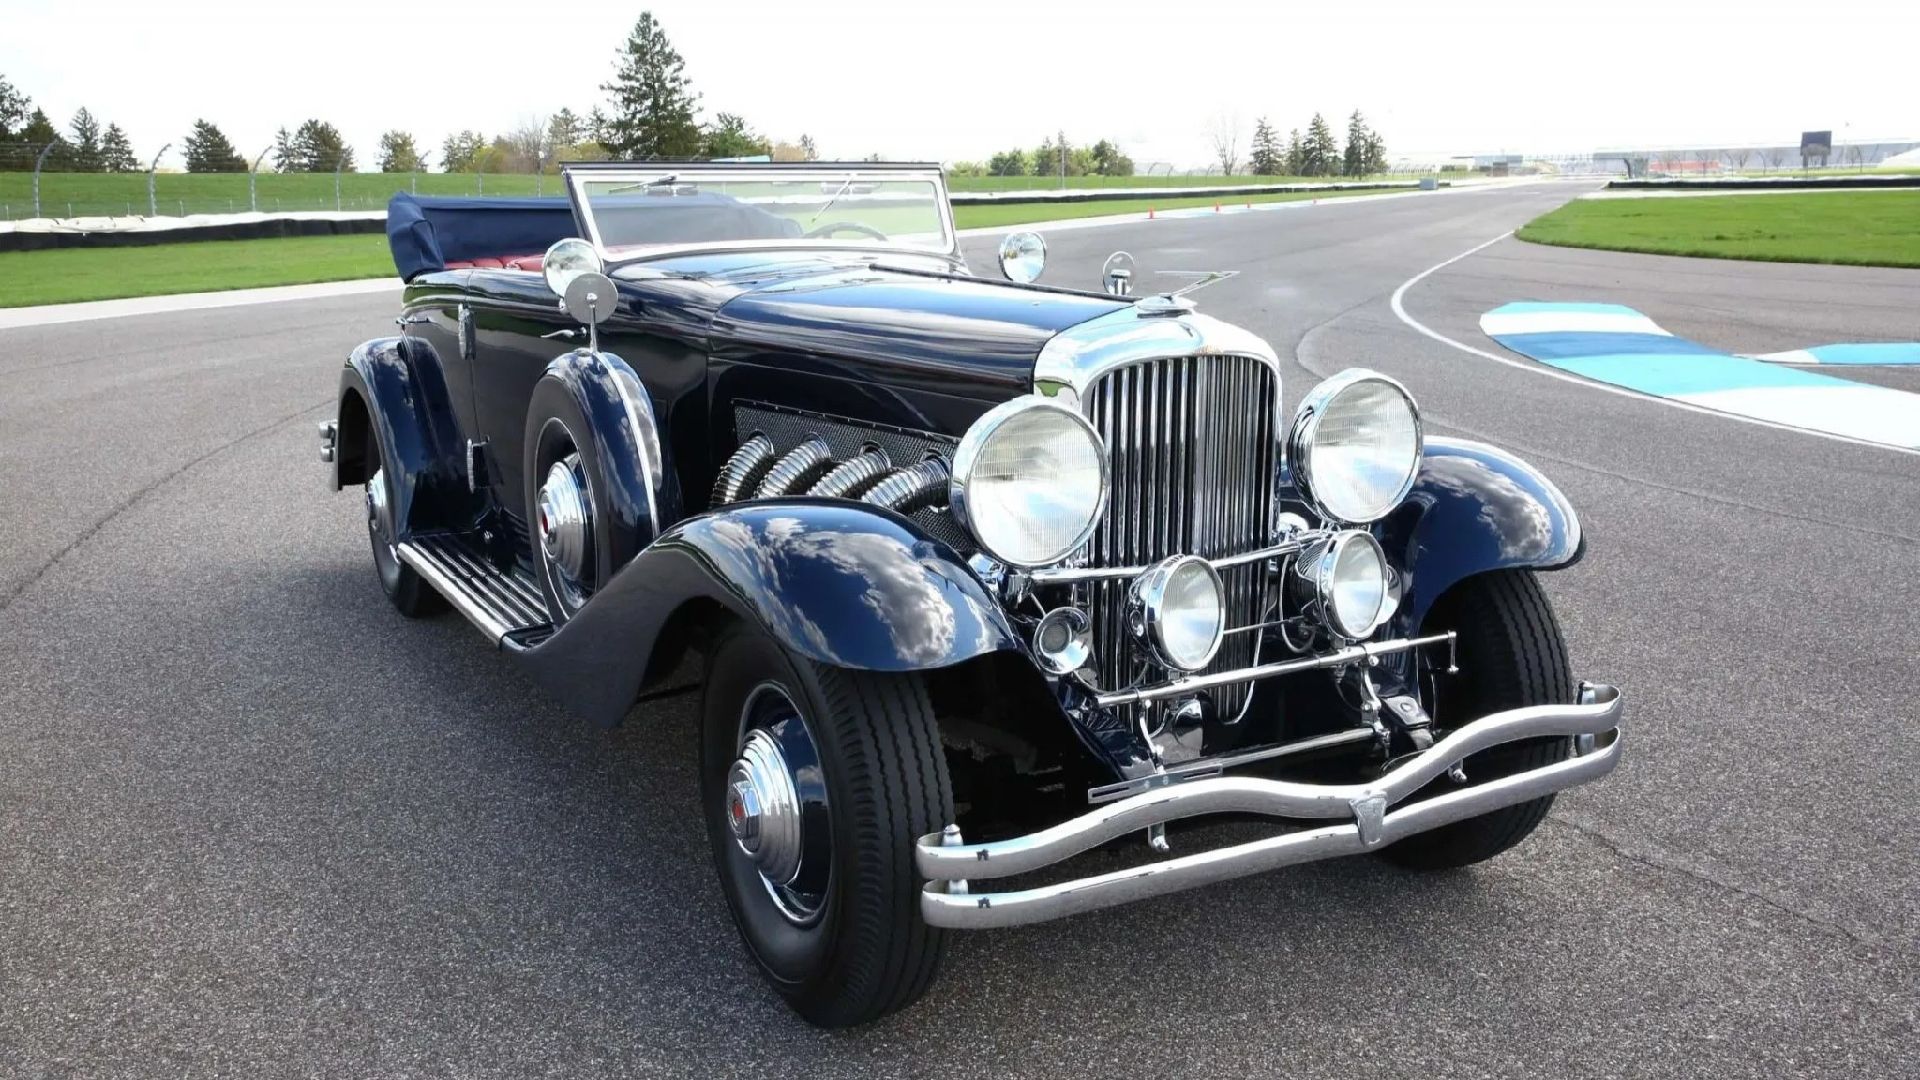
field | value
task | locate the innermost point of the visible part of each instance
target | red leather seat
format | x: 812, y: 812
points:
x: 531, y: 263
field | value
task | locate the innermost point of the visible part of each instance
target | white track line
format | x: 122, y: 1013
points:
x: 1536, y: 368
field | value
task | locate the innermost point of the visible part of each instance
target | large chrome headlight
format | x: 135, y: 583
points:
x: 1030, y: 481
x: 1356, y: 446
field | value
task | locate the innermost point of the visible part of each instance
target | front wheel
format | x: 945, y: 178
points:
x: 816, y: 782
x: 1511, y: 655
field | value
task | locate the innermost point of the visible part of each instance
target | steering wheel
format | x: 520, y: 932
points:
x: 832, y: 227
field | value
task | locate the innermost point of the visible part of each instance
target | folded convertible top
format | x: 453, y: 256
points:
x: 427, y: 232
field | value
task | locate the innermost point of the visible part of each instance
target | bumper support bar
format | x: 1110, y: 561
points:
x: 1365, y: 814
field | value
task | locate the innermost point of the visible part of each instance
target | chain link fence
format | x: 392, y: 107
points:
x: 53, y: 192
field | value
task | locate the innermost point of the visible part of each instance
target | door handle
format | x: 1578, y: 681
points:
x: 412, y: 320
x: 574, y: 334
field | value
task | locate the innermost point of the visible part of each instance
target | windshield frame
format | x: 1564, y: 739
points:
x: 577, y: 174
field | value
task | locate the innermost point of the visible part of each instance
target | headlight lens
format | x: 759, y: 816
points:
x: 1178, y: 608
x: 1030, y: 481
x: 1349, y: 580
x: 1356, y: 446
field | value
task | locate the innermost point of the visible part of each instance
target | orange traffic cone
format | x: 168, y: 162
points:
x: 1149, y: 213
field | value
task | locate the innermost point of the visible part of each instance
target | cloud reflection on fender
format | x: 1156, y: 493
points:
x: 1514, y: 517
x: 812, y: 570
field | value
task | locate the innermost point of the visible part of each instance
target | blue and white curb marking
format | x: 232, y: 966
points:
x: 1869, y: 354
x: 1613, y: 344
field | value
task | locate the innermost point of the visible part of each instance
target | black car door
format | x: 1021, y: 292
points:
x: 518, y: 329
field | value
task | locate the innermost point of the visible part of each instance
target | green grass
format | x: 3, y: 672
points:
x: 66, y: 275
x: 1878, y: 228
x: 116, y: 194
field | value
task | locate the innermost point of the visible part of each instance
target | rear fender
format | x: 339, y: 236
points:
x: 839, y: 583
x: 1474, y: 508
x: 394, y: 385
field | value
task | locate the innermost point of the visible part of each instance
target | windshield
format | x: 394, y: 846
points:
x: 640, y: 209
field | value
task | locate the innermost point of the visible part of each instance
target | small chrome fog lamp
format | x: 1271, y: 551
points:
x: 1063, y: 640
x: 1345, y: 579
x: 1178, y: 610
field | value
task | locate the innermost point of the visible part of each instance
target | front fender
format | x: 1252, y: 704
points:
x: 839, y: 583
x: 1474, y: 508
x: 625, y: 439
x: 402, y: 395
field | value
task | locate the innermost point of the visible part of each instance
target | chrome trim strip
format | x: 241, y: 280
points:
x: 947, y: 902
x: 1065, y: 575
x: 1201, y: 767
x: 1352, y: 654
x: 1075, y: 358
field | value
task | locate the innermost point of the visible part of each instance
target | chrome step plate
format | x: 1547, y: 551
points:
x: 496, y: 601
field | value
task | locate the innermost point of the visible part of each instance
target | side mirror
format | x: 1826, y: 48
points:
x: 1117, y: 275
x: 566, y: 260
x: 1022, y: 256
x: 591, y: 298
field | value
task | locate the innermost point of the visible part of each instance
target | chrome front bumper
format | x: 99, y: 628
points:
x: 1363, y: 812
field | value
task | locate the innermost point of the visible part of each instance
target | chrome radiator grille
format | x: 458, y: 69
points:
x: 1191, y: 444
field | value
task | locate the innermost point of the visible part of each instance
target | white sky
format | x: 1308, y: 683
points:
x: 959, y: 80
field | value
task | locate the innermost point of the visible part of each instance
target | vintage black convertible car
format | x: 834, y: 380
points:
x: 985, y: 574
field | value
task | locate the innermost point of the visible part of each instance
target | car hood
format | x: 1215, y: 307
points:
x: 932, y: 330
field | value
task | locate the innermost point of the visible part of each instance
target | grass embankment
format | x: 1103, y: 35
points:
x: 122, y: 194
x: 67, y: 275
x: 1863, y: 228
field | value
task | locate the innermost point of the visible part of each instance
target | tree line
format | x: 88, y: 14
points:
x: 651, y: 111
x: 1316, y: 153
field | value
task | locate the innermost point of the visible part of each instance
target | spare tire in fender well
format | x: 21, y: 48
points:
x: 846, y: 585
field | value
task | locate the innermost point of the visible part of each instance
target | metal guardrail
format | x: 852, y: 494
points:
x: 1225, y: 191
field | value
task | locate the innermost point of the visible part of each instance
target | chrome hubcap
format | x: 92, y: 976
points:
x: 379, y: 513
x: 775, y: 803
x: 564, y: 518
x: 763, y: 809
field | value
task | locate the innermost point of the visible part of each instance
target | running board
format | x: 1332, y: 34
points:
x: 499, y: 602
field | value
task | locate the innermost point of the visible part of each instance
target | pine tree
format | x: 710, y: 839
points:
x: 730, y: 137
x: 565, y: 131
x: 318, y: 147
x: 38, y: 132
x: 652, y: 102
x: 1267, y: 158
x: 1359, y: 139
x: 398, y: 153
x: 1296, y: 154
x: 207, y: 150
x: 86, y: 143
x: 116, y: 153
x: 286, y: 156
x: 1320, y: 154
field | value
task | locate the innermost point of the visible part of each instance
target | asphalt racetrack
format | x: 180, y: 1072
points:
x: 255, y: 824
